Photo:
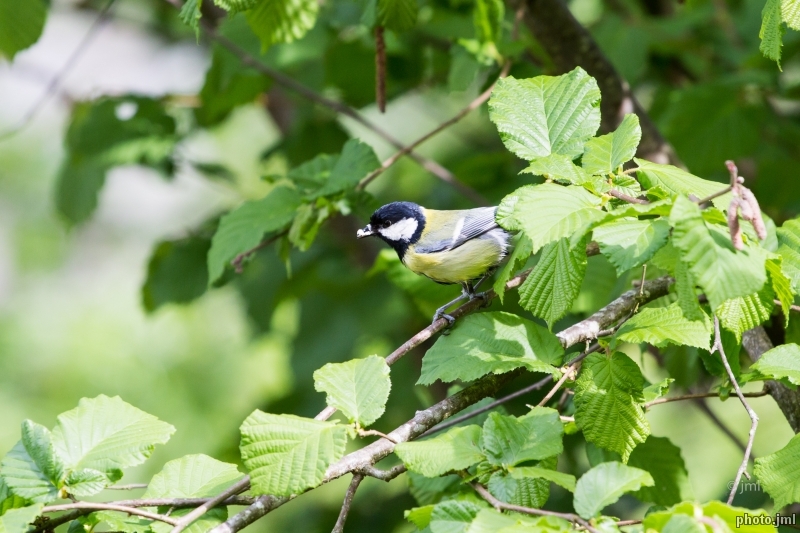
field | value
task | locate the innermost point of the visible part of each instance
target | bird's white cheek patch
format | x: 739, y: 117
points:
x: 400, y: 230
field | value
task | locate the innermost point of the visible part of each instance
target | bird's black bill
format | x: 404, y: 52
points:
x: 365, y: 232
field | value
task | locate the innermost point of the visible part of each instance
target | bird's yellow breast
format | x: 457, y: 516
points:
x: 469, y: 261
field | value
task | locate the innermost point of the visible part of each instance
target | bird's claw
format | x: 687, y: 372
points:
x: 480, y: 296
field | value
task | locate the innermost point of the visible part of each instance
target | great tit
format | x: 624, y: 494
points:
x: 462, y: 246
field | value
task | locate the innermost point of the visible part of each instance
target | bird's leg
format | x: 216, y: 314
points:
x: 482, y: 295
x: 466, y: 293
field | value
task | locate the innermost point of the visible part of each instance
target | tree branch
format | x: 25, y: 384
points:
x: 189, y: 518
x: 91, y: 507
x: 383, y: 475
x: 348, y: 501
x: 699, y: 395
x: 486, y: 386
x: 750, y: 412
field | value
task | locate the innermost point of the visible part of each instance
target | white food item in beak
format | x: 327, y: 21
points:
x: 366, y: 232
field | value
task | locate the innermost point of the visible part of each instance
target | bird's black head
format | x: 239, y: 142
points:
x: 400, y: 224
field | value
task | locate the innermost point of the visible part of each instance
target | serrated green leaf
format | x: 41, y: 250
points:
x: 680, y: 182
x: 685, y: 288
x: 9, y: 500
x: 491, y: 521
x: 107, y: 434
x: 550, y: 290
x: 662, y: 459
x: 779, y: 473
x: 311, y: 175
x: 549, y: 212
x: 282, y: 21
x: 605, y: 154
x: 288, y: 454
x: 722, y: 514
x: 358, y: 388
x: 781, y: 286
x: 356, y: 161
x: 490, y: 342
x: 523, y: 248
x: 396, y: 15
x: 244, y: 227
x: 19, y: 520
x: 559, y: 168
x: 21, y: 24
x: 607, y: 400
x: 771, y: 32
x: 488, y: 20
x: 526, y: 491
x: 660, y: 326
x: 38, y: 442
x: 721, y: 271
x: 738, y: 315
x: 426, y: 490
x: 190, y: 15
x: 508, y: 440
x: 561, y: 479
x: 681, y: 523
x: 656, y: 390
x: 177, y: 272
x: 781, y: 362
x: 234, y: 6
x: 605, y: 484
x: 455, y: 450
x: 453, y: 516
x: 630, y: 242
x: 546, y: 114
x: 789, y: 250
x: 25, y: 478
x: 419, y: 516
x: 790, y: 13
x: 117, y: 521
x: 85, y: 482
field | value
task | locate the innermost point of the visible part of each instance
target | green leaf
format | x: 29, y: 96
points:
x: 559, y: 168
x: 177, y: 272
x: 419, y: 516
x: 453, y: 516
x: 526, y: 491
x: 19, y: 520
x: 25, y: 478
x: 108, y: 435
x: 550, y: 290
x: 190, y: 15
x: 287, y: 454
x: 790, y: 13
x: 721, y: 271
x: 681, y: 523
x: 661, y: 326
x: 781, y: 285
x: 282, y: 21
x: 656, y: 390
x: 9, y: 500
x: 523, y: 248
x: 79, y: 182
x: 508, y: 440
x: 604, y: 154
x: 741, y: 314
x: 549, y: 212
x: 488, y: 20
x: 781, y: 362
x: 396, y: 15
x: 789, y: 250
x: 21, y: 24
x: 193, y: 476
x: 630, y: 242
x: 234, y: 6
x: 356, y: 161
x: 85, y: 482
x: 244, y: 227
x: 771, y: 33
x: 426, y: 490
x: 779, y: 473
x: 455, y: 450
x: 546, y: 114
x: 358, y: 388
x: 685, y: 288
x: 680, y: 182
x: 605, y: 484
x: 662, y: 459
x: 722, y: 515
x: 38, y: 442
x: 607, y: 398
x: 566, y: 481
x: 490, y: 342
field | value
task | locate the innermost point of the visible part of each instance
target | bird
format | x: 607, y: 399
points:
x: 455, y: 246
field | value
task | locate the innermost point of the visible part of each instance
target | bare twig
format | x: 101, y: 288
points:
x: 196, y: 513
x: 132, y: 486
x: 503, y: 506
x: 630, y: 199
x: 374, y: 433
x: 55, y: 82
x: 348, y: 501
x: 750, y: 412
x: 91, y: 506
x: 567, y: 374
x: 238, y: 262
x: 383, y: 475
x: 669, y: 399
x: 380, y: 69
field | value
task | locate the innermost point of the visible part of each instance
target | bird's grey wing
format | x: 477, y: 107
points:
x: 473, y: 223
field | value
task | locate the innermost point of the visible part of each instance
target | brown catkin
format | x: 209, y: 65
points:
x: 733, y: 224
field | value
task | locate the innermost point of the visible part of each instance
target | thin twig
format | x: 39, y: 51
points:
x: 108, y: 507
x: 380, y: 69
x: 503, y: 506
x: 383, y: 475
x: 374, y: 433
x: 630, y: 199
x: 717, y: 194
x: 795, y: 308
x: 568, y: 372
x: 348, y: 501
x: 132, y: 486
x: 185, y: 521
x: 700, y: 395
x: 750, y: 412
x: 238, y: 262
x: 55, y: 82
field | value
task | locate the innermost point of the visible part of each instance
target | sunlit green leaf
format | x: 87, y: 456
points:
x: 771, y: 32
x: 605, y: 484
x: 453, y: 516
x: 509, y: 440
x: 19, y: 520
x: 359, y: 388
x: 779, y: 473
x: 679, y: 181
x: 604, y: 154
x: 455, y: 450
x: 561, y: 479
x: 780, y: 362
x: 630, y: 242
x: 282, y: 21
x: 660, y: 326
